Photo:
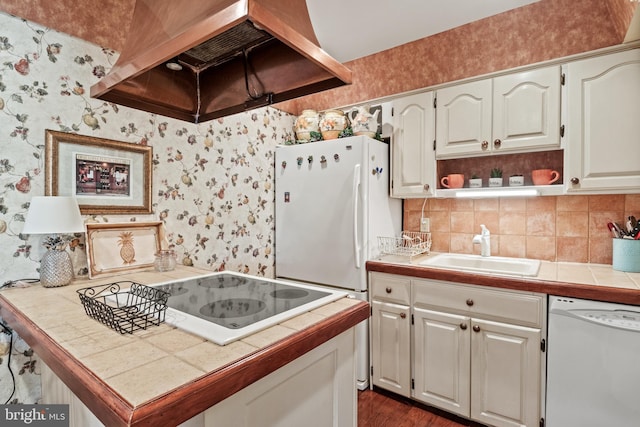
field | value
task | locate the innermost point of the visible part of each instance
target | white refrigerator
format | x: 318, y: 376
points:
x: 332, y: 203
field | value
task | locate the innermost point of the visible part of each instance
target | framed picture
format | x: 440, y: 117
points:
x: 121, y: 248
x: 105, y: 176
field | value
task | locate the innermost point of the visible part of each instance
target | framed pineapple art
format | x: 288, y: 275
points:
x: 121, y: 248
x: 105, y: 176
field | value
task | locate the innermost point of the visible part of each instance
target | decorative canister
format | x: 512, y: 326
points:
x: 165, y: 260
x: 307, y: 122
x: 363, y: 122
x: 332, y: 123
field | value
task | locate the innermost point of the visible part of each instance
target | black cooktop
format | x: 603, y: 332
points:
x: 236, y: 301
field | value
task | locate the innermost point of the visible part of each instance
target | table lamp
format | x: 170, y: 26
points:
x: 54, y: 215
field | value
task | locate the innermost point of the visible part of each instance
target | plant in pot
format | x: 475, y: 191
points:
x: 475, y: 181
x: 495, y: 177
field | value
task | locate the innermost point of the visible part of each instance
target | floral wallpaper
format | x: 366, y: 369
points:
x: 212, y: 182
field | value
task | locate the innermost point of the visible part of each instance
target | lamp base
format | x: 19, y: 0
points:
x: 55, y: 269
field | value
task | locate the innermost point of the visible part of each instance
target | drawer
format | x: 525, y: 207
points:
x: 524, y: 308
x: 389, y: 287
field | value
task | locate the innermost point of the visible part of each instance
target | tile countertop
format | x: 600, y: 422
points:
x: 590, y: 281
x: 117, y: 376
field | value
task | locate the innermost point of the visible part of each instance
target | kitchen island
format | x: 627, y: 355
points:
x: 166, y: 376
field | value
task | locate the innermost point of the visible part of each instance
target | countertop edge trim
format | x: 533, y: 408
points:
x: 567, y: 289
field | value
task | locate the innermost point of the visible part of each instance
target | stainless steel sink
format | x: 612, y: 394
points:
x: 479, y: 264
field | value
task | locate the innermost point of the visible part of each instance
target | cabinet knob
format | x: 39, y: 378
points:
x: 497, y: 143
x: 388, y: 290
x: 463, y: 326
x: 476, y: 328
x: 484, y: 145
x: 426, y: 187
x: 469, y: 302
x: 575, y: 180
x: 403, y: 315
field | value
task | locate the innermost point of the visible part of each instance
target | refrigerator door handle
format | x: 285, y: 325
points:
x: 356, y: 198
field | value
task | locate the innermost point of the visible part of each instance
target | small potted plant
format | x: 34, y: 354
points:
x: 475, y: 181
x: 495, y: 177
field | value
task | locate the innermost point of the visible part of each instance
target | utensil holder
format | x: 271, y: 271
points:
x: 626, y: 255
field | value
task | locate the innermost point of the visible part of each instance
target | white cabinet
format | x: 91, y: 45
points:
x: 473, y: 351
x: 509, y: 113
x: 505, y: 374
x: 477, y: 351
x: 412, y: 152
x: 317, y: 389
x: 390, y: 325
x: 603, y: 124
x: 463, y: 119
x: 442, y: 369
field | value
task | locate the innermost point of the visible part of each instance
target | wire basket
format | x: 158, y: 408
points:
x: 134, y: 308
x: 411, y: 243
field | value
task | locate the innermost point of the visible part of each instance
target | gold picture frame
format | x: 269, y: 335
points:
x: 122, y: 248
x: 105, y: 176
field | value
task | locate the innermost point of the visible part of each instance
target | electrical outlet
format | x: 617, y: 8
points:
x: 425, y: 225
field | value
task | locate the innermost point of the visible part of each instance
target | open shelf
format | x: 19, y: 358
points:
x: 511, y: 164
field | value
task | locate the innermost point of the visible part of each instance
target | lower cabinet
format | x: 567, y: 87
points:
x: 442, y: 367
x: 473, y: 351
x: 391, y: 324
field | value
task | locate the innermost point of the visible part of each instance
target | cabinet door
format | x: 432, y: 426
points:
x: 505, y: 374
x: 526, y: 110
x: 463, y: 119
x: 604, y: 123
x: 390, y: 342
x: 442, y: 360
x: 412, y: 156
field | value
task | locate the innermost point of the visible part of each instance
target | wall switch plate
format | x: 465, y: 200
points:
x: 425, y: 225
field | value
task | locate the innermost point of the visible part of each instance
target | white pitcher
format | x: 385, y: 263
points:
x: 363, y: 122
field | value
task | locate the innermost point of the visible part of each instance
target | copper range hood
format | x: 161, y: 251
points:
x: 199, y: 60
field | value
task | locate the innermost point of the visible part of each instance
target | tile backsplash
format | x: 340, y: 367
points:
x: 551, y: 228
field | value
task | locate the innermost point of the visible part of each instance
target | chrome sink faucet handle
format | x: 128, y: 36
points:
x: 484, y: 240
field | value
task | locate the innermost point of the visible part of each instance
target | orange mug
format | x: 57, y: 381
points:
x: 455, y: 180
x: 544, y: 176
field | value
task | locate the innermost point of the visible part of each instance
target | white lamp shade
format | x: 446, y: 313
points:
x: 53, y: 215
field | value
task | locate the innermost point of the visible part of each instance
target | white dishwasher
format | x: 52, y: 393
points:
x: 593, y: 364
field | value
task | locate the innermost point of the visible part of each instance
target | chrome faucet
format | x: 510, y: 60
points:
x: 484, y: 240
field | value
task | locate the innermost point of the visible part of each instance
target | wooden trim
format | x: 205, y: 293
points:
x: 575, y: 290
x: 181, y: 404
x: 111, y: 408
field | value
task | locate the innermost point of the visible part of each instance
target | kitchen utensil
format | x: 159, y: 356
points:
x: 631, y: 223
x: 544, y: 176
x: 619, y: 229
x: 454, y: 180
x: 612, y: 229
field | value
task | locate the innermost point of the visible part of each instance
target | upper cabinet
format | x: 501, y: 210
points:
x: 412, y: 155
x: 509, y: 113
x: 603, y: 124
